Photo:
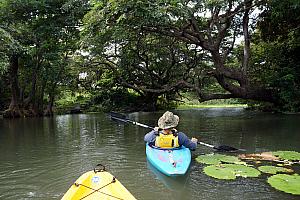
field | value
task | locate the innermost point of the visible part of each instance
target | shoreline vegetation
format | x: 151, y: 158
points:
x: 78, y: 110
x: 83, y: 103
x: 180, y: 107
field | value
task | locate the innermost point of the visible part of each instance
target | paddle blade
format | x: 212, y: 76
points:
x: 117, y: 115
x: 225, y: 148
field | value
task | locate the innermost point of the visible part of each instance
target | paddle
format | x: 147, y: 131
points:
x: 123, y: 118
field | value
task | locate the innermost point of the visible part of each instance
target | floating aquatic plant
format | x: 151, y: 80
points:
x: 229, y: 167
x: 274, y: 169
x: 213, y: 159
x: 219, y: 172
x: 286, y: 183
x: 230, y: 171
x: 287, y: 155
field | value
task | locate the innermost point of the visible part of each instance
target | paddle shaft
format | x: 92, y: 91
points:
x: 133, y: 122
x: 208, y: 145
x: 146, y: 126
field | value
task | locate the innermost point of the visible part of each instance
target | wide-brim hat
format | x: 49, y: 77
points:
x: 168, y: 120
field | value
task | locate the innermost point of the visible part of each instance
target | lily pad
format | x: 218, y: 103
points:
x: 244, y: 171
x: 219, y: 172
x: 287, y: 155
x: 230, y: 171
x: 286, y: 183
x: 274, y: 169
x: 212, y: 159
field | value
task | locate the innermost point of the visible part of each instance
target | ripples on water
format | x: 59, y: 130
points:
x: 42, y: 157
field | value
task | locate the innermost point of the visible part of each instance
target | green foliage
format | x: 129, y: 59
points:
x: 279, y: 19
x: 70, y: 99
x: 275, y: 59
x: 3, y: 64
x: 8, y: 43
x: 116, y: 99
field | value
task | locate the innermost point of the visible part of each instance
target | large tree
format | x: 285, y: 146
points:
x: 47, y: 31
x: 213, y: 27
x: 150, y: 64
x: 11, y: 49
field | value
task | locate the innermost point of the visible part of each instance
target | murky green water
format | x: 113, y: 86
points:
x: 41, y: 158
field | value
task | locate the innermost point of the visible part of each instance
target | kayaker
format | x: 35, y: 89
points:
x: 166, y: 136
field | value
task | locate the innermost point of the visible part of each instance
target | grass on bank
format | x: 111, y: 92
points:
x: 218, y: 103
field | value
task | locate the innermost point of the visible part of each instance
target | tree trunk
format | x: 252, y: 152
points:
x: 15, y: 108
x: 150, y: 102
x: 30, y: 103
x: 39, y: 105
x: 30, y: 100
x: 49, y: 109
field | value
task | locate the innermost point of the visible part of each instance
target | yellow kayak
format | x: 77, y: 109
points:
x: 97, y: 184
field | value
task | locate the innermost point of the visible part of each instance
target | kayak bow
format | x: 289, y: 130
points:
x: 97, y: 184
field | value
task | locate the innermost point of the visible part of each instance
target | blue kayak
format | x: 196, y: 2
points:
x: 171, y: 162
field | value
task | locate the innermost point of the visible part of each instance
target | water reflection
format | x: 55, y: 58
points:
x: 176, y: 183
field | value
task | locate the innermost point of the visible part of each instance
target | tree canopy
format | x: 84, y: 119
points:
x: 141, y: 53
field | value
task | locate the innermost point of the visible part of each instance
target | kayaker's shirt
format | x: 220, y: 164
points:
x: 183, y: 140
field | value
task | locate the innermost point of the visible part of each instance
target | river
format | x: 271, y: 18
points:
x: 41, y: 157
